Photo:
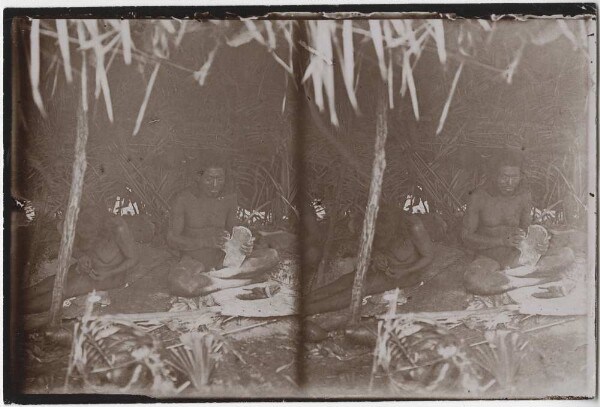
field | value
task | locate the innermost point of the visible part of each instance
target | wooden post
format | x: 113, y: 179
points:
x: 368, y: 231
x: 68, y: 232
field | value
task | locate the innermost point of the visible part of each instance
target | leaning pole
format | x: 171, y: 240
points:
x: 368, y: 230
x: 68, y: 232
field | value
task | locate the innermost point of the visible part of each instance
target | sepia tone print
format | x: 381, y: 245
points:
x: 392, y: 206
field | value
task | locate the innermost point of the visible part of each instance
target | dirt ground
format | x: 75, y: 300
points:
x: 278, y: 363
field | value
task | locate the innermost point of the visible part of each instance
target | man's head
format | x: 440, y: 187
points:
x: 210, y: 175
x: 507, y: 172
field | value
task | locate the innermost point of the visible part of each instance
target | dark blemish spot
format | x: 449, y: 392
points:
x: 592, y: 195
x: 101, y: 169
x: 522, y: 148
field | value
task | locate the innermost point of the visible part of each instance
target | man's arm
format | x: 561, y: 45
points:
x: 231, y: 219
x: 471, y: 223
x: 526, y: 216
x: 175, y: 237
x: 423, y: 244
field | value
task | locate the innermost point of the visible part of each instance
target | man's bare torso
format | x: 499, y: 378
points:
x: 204, y: 214
x: 499, y: 214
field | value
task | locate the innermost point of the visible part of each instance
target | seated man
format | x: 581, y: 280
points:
x: 104, y: 250
x: 402, y: 249
x: 202, y: 218
x: 494, y: 225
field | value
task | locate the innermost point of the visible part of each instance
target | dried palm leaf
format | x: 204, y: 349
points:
x: 101, y: 78
x: 564, y: 28
x: 348, y: 63
x: 408, y: 76
x: 254, y: 31
x: 377, y: 37
x: 440, y: 42
x: 63, y: 42
x: 485, y: 24
x: 326, y: 30
x: 271, y: 41
x: 202, y: 73
x: 34, y: 69
x: 149, y: 87
x: 446, y: 108
x: 126, y: 41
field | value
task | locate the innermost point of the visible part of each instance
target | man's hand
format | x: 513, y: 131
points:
x: 543, y: 246
x: 381, y: 263
x: 514, y: 238
x: 95, y: 276
x: 84, y: 264
x: 247, y: 248
x: 220, y: 239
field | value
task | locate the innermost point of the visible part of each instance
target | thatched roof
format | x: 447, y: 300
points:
x: 238, y: 112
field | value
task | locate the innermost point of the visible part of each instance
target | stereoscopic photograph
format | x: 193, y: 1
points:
x: 300, y: 204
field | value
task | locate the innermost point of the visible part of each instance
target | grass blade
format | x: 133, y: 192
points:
x: 34, y: 69
x: 63, y: 43
x: 138, y: 121
x: 377, y: 38
x: 449, y: 100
